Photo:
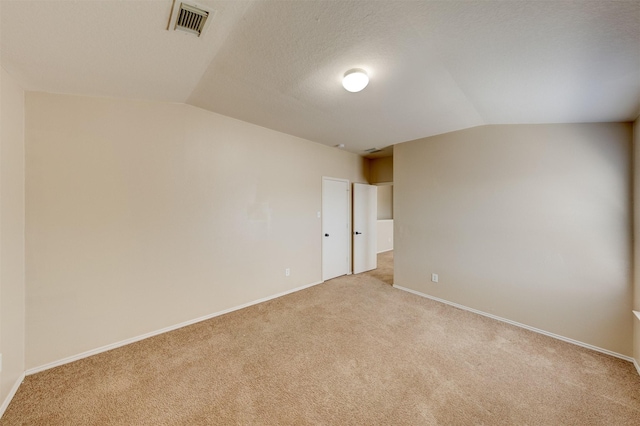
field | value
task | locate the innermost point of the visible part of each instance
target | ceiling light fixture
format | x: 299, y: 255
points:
x: 355, y: 80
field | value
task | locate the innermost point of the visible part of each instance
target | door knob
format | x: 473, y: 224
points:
x: 358, y: 233
x: 326, y: 235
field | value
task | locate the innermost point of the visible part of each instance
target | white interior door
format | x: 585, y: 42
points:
x: 336, y: 238
x: 365, y: 216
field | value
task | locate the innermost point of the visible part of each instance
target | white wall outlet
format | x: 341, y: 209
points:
x: 287, y: 272
x: 319, y: 215
x: 434, y: 278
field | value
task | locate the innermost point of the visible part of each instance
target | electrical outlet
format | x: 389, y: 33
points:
x: 434, y: 278
x: 287, y: 272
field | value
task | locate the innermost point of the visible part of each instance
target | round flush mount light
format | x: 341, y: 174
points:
x: 355, y: 80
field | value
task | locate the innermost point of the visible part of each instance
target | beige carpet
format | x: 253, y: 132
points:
x: 384, y: 272
x: 351, y: 351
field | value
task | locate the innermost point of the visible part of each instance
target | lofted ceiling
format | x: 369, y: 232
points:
x: 435, y: 66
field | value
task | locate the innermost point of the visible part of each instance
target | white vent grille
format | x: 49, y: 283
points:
x: 189, y: 18
x: 372, y: 150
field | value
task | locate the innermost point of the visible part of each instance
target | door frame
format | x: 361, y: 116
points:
x: 348, y: 215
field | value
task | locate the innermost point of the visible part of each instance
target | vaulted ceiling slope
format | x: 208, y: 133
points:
x: 435, y: 66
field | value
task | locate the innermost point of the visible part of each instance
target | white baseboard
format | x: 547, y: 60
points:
x: 517, y: 324
x: 384, y: 251
x: 111, y: 346
x: 635, y: 362
x: 12, y: 393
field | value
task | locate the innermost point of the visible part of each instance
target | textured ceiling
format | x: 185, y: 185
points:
x: 435, y: 67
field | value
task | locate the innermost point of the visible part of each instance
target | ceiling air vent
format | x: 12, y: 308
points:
x: 372, y: 150
x: 189, y: 18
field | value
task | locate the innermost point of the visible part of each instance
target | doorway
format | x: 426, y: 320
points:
x: 385, y: 270
x: 338, y: 239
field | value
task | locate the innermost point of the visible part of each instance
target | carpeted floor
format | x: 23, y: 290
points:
x: 351, y: 351
x: 384, y: 272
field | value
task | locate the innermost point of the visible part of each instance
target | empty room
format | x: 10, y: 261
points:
x: 319, y: 212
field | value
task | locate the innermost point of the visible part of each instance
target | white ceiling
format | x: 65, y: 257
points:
x: 435, y: 66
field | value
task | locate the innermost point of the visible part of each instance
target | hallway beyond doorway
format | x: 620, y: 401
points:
x: 384, y: 272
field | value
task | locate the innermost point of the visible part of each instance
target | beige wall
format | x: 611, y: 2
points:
x: 385, y: 202
x: 384, y: 235
x: 526, y: 222
x: 381, y: 170
x: 143, y: 215
x: 636, y: 240
x: 12, y: 281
